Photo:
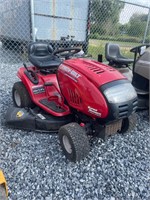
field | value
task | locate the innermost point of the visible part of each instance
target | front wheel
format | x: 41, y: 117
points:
x: 74, y: 141
x: 20, y: 95
x: 128, y: 123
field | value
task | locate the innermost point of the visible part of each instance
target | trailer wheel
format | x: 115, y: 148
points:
x: 128, y: 123
x: 74, y: 141
x: 2, y: 193
x: 21, y: 96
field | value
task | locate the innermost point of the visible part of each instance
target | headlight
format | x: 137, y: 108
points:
x: 120, y: 93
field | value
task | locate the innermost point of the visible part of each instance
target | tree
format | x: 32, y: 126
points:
x: 105, y: 16
x: 137, y: 25
x: 123, y: 28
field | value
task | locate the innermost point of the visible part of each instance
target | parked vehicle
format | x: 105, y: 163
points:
x: 60, y: 22
x: 138, y: 74
x: 77, y: 97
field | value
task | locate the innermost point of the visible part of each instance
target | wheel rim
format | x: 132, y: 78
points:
x: 17, y: 98
x: 67, y: 144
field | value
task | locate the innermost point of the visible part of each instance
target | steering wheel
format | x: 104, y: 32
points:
x: 67, y: 52
x: 137, y: 49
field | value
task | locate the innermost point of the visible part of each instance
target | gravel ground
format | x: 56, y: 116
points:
x: 36, y: 169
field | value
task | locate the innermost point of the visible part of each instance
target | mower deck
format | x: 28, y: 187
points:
x: 35, y: 119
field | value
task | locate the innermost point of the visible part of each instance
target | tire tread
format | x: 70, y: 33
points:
x: 79, y: 140
x: 24, y: 95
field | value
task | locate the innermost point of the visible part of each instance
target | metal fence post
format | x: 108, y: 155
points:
x: 32, y: 21
x: 146, y: 29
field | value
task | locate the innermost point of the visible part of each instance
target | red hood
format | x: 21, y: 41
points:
x: 96, y: 72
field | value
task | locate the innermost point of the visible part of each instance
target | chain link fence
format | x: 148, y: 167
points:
x: 118, y: 22
x: 89, y: 24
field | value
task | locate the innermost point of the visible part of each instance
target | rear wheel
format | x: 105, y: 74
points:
x: 2, y: 193
x: 21, y: 96
x: 74, y: 141
x: 128, y: 123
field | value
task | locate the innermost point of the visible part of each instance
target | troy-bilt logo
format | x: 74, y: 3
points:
x: 20, y: 114
x: 70, y: 71
x: 94, y: 111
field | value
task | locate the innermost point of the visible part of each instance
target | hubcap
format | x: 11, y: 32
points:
x: 67, y: 144
x: 17, y: 98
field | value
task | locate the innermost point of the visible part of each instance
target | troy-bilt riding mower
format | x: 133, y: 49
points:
x: 77, y: 97
x: 3, y: 187
x: 139, y: 75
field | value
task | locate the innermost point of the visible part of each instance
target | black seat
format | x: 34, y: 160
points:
x: 113, y: 55
x: 41, y: 56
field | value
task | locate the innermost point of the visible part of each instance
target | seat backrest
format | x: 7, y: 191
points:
x: 40, y: 49
x: 112, y: 51
x: 40, y: 54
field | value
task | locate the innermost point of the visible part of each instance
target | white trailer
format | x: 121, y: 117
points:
x: 57, y: 21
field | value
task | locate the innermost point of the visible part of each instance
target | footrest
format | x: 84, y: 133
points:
x: 52, y: 105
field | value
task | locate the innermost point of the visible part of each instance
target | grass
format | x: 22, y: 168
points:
x: 98, y: 47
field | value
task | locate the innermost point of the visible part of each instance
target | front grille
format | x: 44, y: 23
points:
x: 135, y: 103
x: 126, y: 109
x: 123, y: 111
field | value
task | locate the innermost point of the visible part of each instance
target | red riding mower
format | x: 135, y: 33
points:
x: 75, y: 96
